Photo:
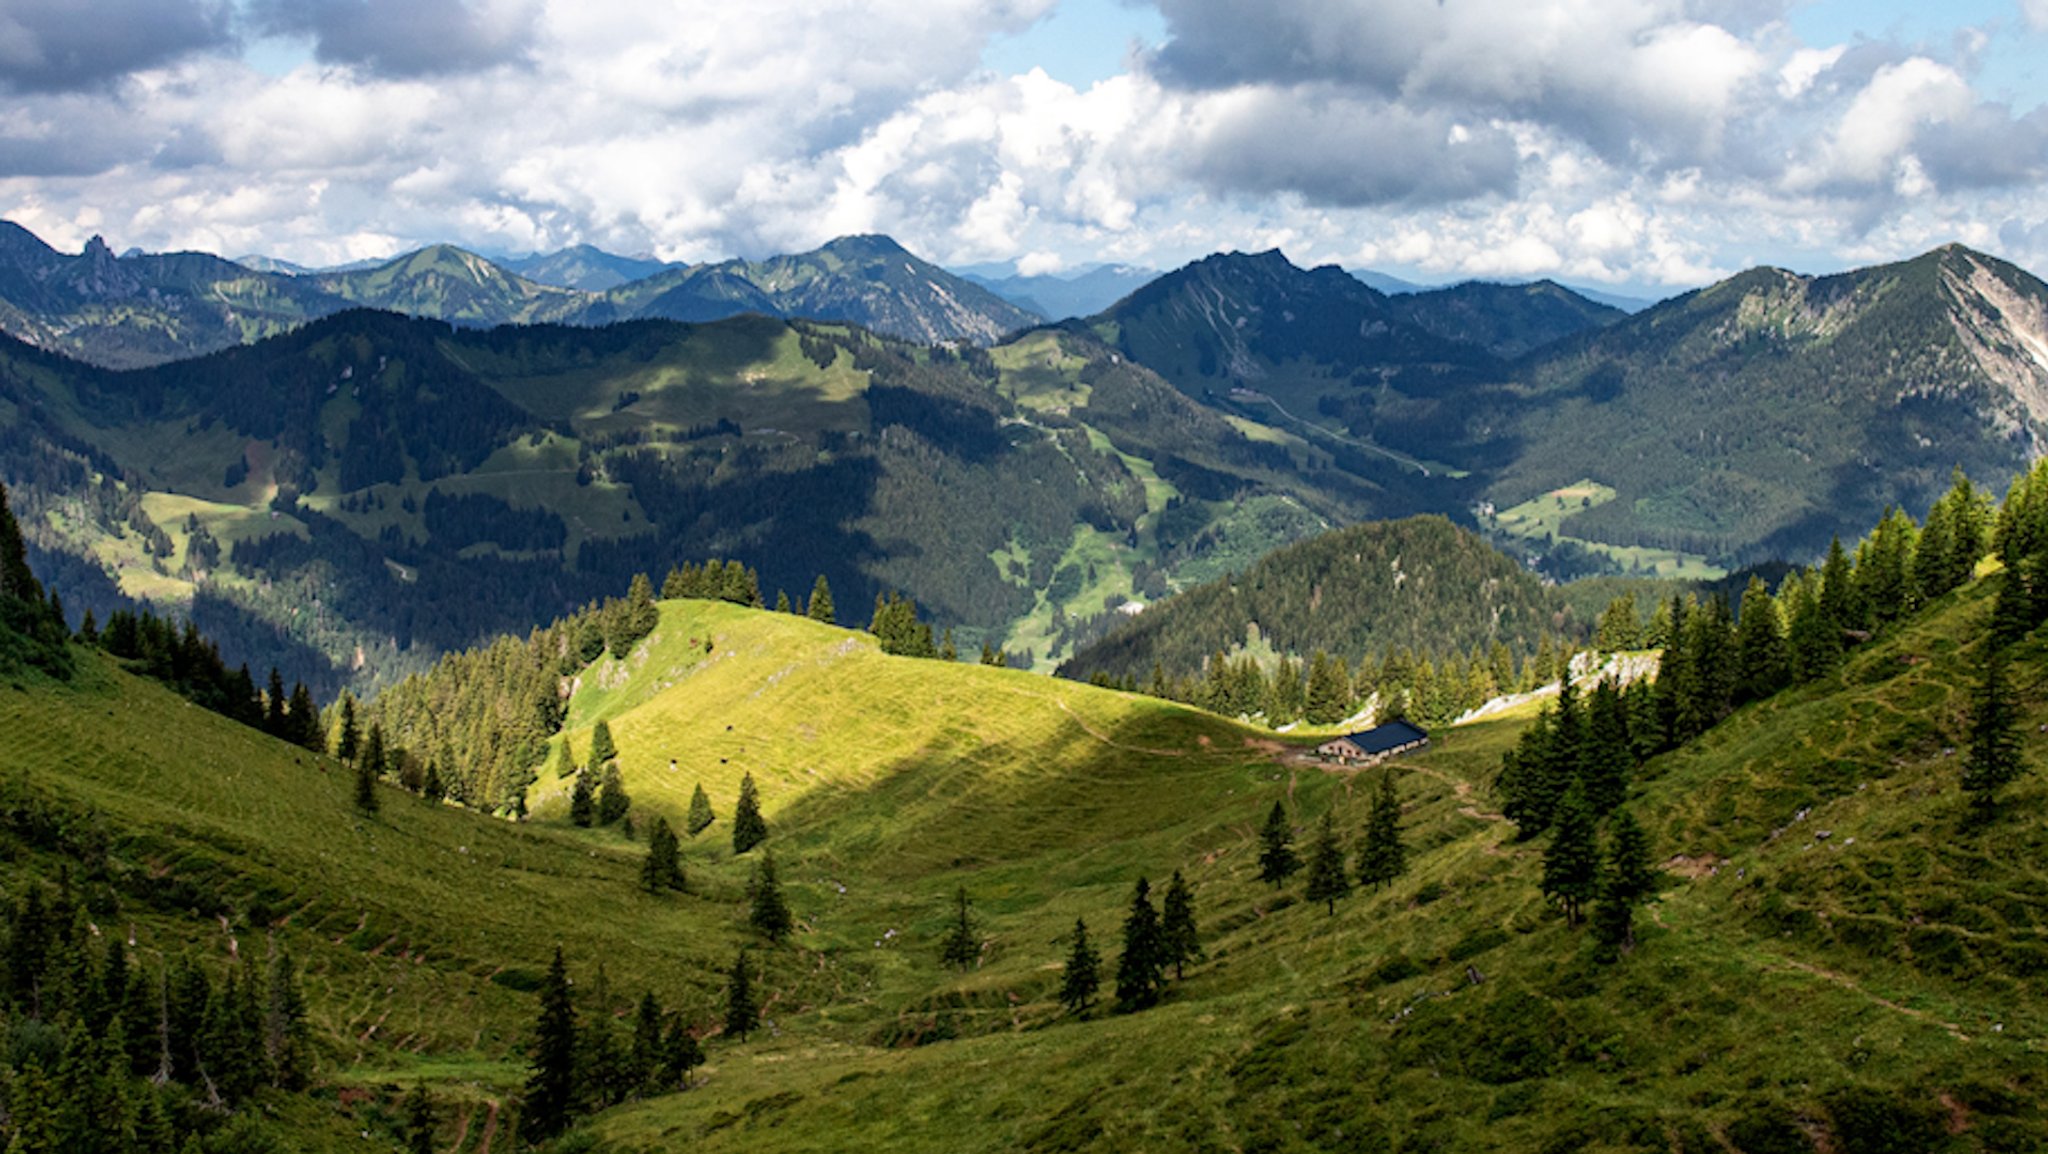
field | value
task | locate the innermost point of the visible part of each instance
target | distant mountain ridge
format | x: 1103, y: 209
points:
x: 146, y: 309
x: 1061, y: 297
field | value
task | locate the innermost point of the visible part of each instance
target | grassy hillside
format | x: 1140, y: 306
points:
x: 1789, y: 989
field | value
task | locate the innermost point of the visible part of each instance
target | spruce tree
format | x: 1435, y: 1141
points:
x: 1571, y: 864
x: 602, y: 751
x: 782, y: 601
x: 1328, y: 879
x: 304, y: 720
x: 748, y: 827
x: 769, y: 913
x: 1277, y: 862
x: 287, y: 1039
x: 821, y: 601
x: 962, y: 947
x: 1177, y: 929
x: 1083, y: 973
x: 434, y: 787
x: 366, y: 786
x: 663, y: 868
x: 1382, y: 858
x: 643, y: 1054
x: 1141, y: 970
x: 742, y: 1014
x: 1762, y: 664
x: 1994, y: 758
x: 700, y: 812
x: 1627, y: 879
x: 345, y: 744
x: 418, y: 1109
x: 551, y: 1084
x: 1607, y: 757
x: 276, y: 722
x: 680, y: 1054
x: 582, y: 801
x: 612, y: 801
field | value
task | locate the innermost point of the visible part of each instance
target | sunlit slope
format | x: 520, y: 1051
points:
x: 910, y: 766
x: 1790, y: 993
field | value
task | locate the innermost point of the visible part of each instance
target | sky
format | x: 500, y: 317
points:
x: 1642, y: 146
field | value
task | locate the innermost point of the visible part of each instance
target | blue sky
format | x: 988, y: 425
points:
x: 1638, y: 145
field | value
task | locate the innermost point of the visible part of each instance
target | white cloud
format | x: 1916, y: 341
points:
x: 1618, y: 141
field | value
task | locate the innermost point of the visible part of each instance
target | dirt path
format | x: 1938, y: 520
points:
x: 1462, y: 790
x: 490, y: 1129
x: 1850, y: 985
x: 1112, y: 742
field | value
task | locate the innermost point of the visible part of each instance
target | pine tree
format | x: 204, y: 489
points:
x: 582, y: 801
x: 612, y: 801
x: 351, y: 736
x: 602, y: 751
x: 434, y: 787
x: 551, y: 1084
x: 376, y: 759
x: 782, y: 602
x: 1083, y: 973
x: 420, y: 1119
x: 742, y: 1015
x: 1762, y: 664
x: 821, y: 601
x: 770, y: 913
x: 1607, y: 756
x: 1177, y: 929
x: 287, y: 1039
x: 962, y: 947
x: 748, y: 827
x: 304, y: 720
x: 276, y: 722
x: 680, y: 1054
x: 1328, y: 879
x: 1277, y: 862
x: 1627, y: 879
x: 1382, y: 858
x: 1571, y: 864
x: 366, y: 786
x: 1141, y: 970
x: 700, y: 812
x: 1994, y: 758
x: 663, y: 868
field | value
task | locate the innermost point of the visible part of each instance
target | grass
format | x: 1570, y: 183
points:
x: 1452, y: 1010
x: 1542, y: 519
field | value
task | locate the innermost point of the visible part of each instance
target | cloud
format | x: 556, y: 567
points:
x: 1343, y: 151
x: 407, y: 38
x: 2036, y: 13
x: 66, y: 46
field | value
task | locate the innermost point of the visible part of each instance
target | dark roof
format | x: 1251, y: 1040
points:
x: 1392, y: 735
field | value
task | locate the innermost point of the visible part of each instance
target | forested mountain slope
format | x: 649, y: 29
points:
x: 1761, y: 415
x: 376, y: 490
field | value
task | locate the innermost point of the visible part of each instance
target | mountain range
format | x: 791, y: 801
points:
x: 1028, y: 494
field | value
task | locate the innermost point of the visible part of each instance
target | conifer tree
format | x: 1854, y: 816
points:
x: 1277, y: 862
x: 962, y: 947
x: 1619, y: 627
x: 1177, y: 929
x: 680, y: 1054
x: 582, y: 801
x: 287, y: 1039
x: 782, y: 601
x: 1383, y: 858
x: 434, y: 787
x: 1994, y: 758
x: 276, y: 722
x: 612, y: 801
x: 602, y: 751
x: 663, y: 868
x: 1328, y: 879
x: 551, y: 1082
x: 420, y: 1119
x: 1762, y: 665
x: 1083, y: 973
x: 1571, y: 864
x: 1607, y: 756
x: 351, y: 735
x: 1627, y: 879
x: 304, y: 720
x: 366, y: 786
x: 769, y: 913
x: 749, y: 829
x: 821, y: 601
x: 700, y: 812
x: 742, y: 1014
x: 1141, y: 970
x: 2012, y: 612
